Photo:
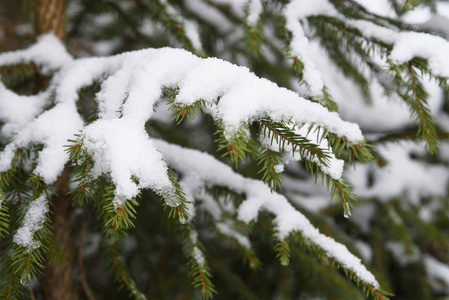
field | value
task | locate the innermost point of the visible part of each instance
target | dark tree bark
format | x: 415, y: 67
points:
x: 56, y: 284
x: 49, y: 17
x: 57, y: 280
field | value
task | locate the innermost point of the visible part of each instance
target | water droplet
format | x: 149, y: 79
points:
x: 183, y: 218
x: 347, y: 211
x: 26, y: 280
x: 172, y: 200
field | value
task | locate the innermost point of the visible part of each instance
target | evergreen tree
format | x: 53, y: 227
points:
x: 224, y: 149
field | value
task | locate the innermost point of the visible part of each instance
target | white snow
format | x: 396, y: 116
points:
x: 16, y: 110
x: 237, y: 6
x: 334, y: 166
x: 437, y: 269
x: 197, y: 254
x: 365, y: 250
x: 122, y: 148
x: 130, y: 89
x: 294, y: 12
x: 48, y: 53
x: 379, y: 7
x: 259, y: 197
x: 279, y: 168
x: 246, y: 98
x: 52, y: 129
x: 209, y: 14
x: 190, y: 27
x: 33, y: 221
x: 226, y: 229
x: 400, y: 253
x: 424, y: 45
x: 403, y: 176
x: 406, y: 45
x: 254, y: 10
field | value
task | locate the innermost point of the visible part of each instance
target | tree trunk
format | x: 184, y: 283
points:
x: 57, y: 280
x: 56, y: 284
x: 49, y: 17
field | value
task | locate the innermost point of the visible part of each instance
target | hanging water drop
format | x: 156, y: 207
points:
x: 26, y: 280
x: 183, y: 217
x: 347, y: 211
x: 172, y: 200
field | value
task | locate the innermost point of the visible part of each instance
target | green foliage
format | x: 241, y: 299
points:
x: 180, y: 111
x: 163, y: 13
x: 200, y: 270
x: 269, y: 160
x: 152, y: 265
x: 238, y: 145
x: 119, y: 269
x: 282, y: 135
x: 176, y: 201
x: 283, y: 252
x: 4, y: 216
x: 416, y: 97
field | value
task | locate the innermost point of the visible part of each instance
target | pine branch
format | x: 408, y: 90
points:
x: 162, y: 12
x: 270, y: 160
x: 355, y: 152
x: 283, y: 252
x: 427, y: 128
x: 341, y: 189
x: 4, y: 216
x: 416, y: 97
x: 327, y: 100
x: 180, y: 111
x: 238, y: 145
x: 343, y: 27
x: 319, y: 253
x: 404, y: 136
x: 223, y: 228
x: 277, y: 131
x: 254, y: 38
x: 176, y: 200
x: 399, y: 229
x: 19, y: 77
x: 121, y: 273
x: 119, y: 216
x: 200, y: 270
x: 346, y: 51
x: 10, y: 286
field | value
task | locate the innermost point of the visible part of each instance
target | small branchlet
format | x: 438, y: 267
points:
x: 176, y: 200
x: 270, y: 160
x: 180, y: 111
x: 4, y: 216
x: 166, y: 15
x: 120, y: 271
x: 283, y: 135
x: 415, y: 95
x: 330, y: 262
x: 340, y: 189
x: 200, y: 270
x: 117, y: 216
x: 282, y: 249
x: 297, y: 66
x: 238, y: 145
x: 81, y: 166
x: 355, y: 152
